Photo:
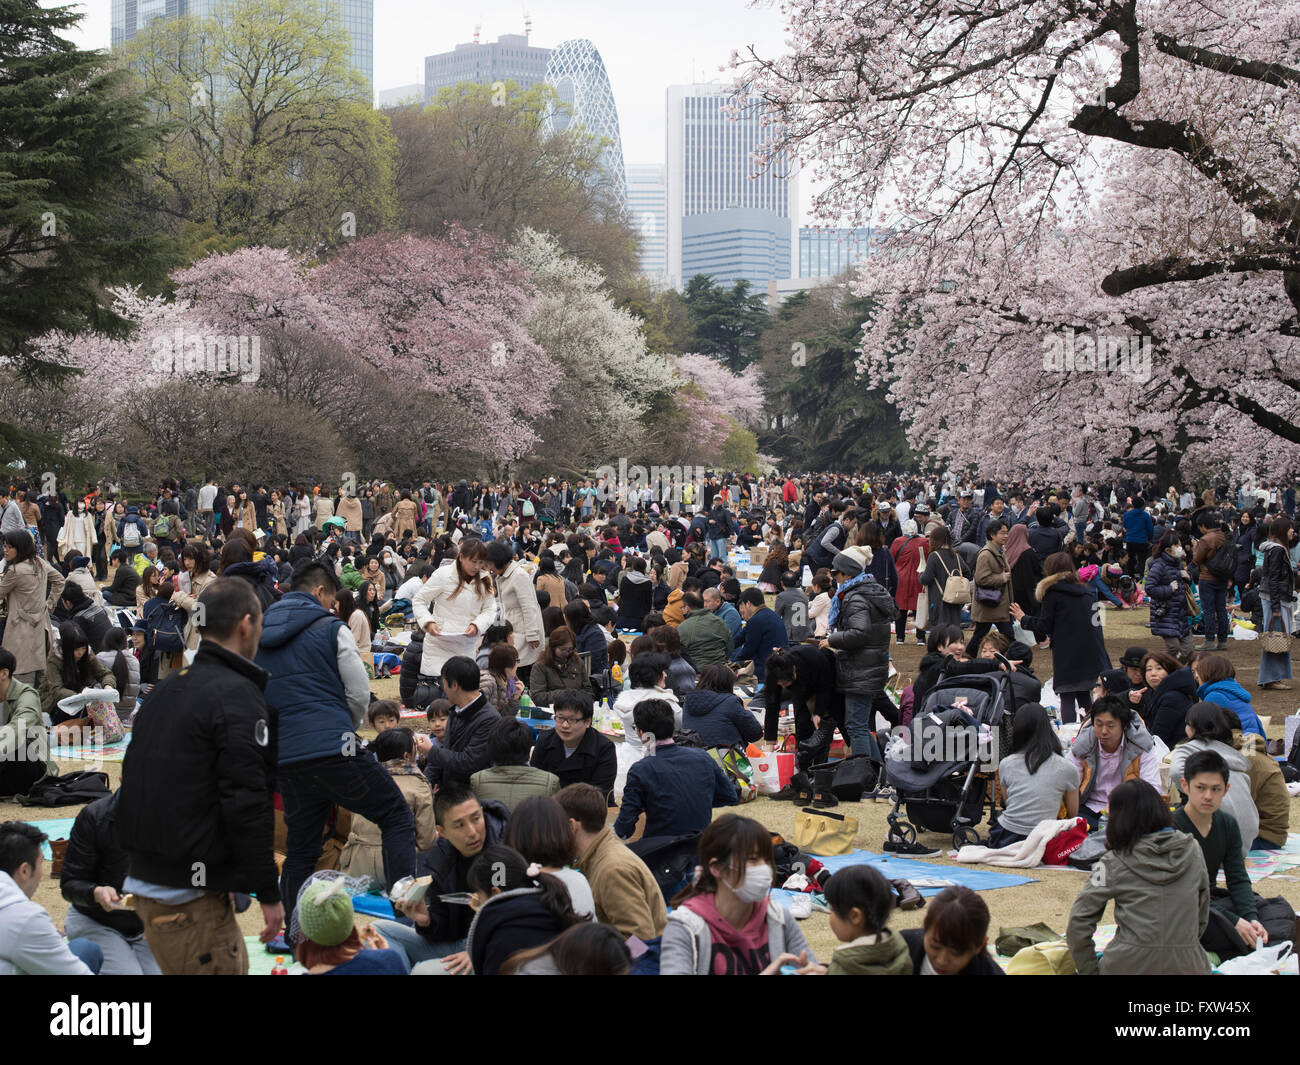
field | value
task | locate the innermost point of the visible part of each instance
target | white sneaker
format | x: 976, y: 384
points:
x: 801, y: 906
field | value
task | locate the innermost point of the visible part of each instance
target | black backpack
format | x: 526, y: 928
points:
x: 1223, y: 563
x: 71, y: 789
x: 166, y: 630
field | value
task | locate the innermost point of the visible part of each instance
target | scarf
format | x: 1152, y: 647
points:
x: 834, y: 613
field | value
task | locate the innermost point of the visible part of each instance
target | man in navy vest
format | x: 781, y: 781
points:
x: 319, y: 693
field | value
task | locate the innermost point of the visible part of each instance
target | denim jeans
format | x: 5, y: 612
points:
x: 860, y: 713
x: 718, y: 549
x: 1275, y: 667
x: 1214, y: 611
x: 407, y: 939
x: 87, y: 952
x: 359, y: 784
x: 120, y: 956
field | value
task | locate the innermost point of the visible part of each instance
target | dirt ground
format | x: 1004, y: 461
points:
x: 1048, y: 899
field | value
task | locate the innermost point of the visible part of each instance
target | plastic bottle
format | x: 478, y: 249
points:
x: 278, y: 969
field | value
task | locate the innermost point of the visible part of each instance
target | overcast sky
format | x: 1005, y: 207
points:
x: 646, y: 46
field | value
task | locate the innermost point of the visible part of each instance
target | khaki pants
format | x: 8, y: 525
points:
x: 200, y: 938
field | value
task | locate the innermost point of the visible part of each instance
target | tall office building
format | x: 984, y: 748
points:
x: 129, y: 17
x: 403, y: 94
x: 577, y: 74
x: 725, y: 216
x: 829, y: 252
x: 509, y: 58
x: 646, y: 203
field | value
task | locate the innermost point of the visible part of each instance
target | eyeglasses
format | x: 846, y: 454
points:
x: 569, y: 720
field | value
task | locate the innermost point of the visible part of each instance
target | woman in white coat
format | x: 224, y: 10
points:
x: 302, y: 513
x: 454, y: 607
x: 77, y: 537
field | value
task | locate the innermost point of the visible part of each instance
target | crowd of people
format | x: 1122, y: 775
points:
x: 232, y: 631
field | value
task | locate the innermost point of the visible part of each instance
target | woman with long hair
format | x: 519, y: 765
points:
x: 345, y: 606
x: 367, y: 597
x: 197, y: 560
x: 558, y: 668
x: 590, y: 639
x: 1167, y: 581
x: 454, y: 607
x: 71, y: 670
x: 1036, y: 778
x: 1277, y: 597
x: 125, y: 668
x: 27, y: 634
x: 1069, y: 615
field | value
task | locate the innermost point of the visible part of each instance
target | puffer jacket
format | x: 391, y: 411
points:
x: 1068, y: 616
x: 861, y: 638
x: 1232, y: 696
x: 1162, y: 907
x: 720, y: 718
x: 1137, y: 743
x: 1168, y: 604
x: 1167, y: 712
x: 506, y: 924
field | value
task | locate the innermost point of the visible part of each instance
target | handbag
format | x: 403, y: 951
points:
x: 821, y: 833
x: 1190, y: 604
x: 1275, y: 642
x: 992, y: 596
x: 956, y: 588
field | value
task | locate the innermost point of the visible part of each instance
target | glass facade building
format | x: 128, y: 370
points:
x: 577, y: 74
x: 646, y: 203
x: 712, y: 174
x: 829, y: 252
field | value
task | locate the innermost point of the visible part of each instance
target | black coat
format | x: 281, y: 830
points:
x: 198, y: 779
x: 634, y: 598
x: 507, y: 923
x: 1025, y: 575
x: 464, y: 749
x: 595, y: 761
x: 1068, y: 616
x: 94, y: 858
x: 815, y: 678
x: 720, y: 718
x: 980, y: 965
x: 1169, y: 704
x: 448, y: 867
x: 861, y: 638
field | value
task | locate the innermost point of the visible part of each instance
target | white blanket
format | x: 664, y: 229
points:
x: 1025, y: 854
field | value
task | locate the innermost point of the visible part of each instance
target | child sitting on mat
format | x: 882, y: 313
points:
x: 861, y: 901
x: 954, y: 940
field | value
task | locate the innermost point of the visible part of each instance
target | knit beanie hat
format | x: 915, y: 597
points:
x: 846, y: 564
x: 325, y: 912
x: 1116, y: 682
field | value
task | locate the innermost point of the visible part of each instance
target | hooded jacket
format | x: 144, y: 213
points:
x: 1162, y: 907
x: 861, y: 638
x: 634, y: 595
x: 261, y: 575
x: 1232, y: 696
x: 1238, y: 801
x: 1068, y: 615
x: 688, y: 943
x: 1136, y: 747
x: 888, y: 956
x: 29, y: 942
x: 507, y: 923
x: 299, y: 652
x: 1169, y: 704
x: 720, y: 718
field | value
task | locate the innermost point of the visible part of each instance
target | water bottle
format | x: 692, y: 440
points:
x: 278, y: 969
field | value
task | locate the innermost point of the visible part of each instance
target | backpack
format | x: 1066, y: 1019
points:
x: 162, y: 526
x: 1223, y: 563
x: 166, y: 631
x: 130, y: 534
x: 71, y: 789
x: 528, y: 510
x: 956, y: 588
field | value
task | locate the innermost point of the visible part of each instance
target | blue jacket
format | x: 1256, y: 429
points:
x: 764, y: 632
x: 1168, y: 606
x: 1232, y: 696
x: 677, y: 788
x: 731, y: 616
x: 299, y: 650
x: 720, y: 718
x: 1138, y: 526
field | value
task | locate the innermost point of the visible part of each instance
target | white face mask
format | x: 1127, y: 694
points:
x: 757, y: 882
x: 1178, y: 552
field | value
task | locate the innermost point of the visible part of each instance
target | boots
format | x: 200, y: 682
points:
x: 799, y: 790
x: 824, y: 798
x: 819, y: 740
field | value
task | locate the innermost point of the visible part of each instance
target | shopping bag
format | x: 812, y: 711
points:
x: 1262, y: 961
x: 738, y: 769
x: 822, y: 833
x: 767, y: 778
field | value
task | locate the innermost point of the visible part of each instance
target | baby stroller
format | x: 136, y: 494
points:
x: 942, y: 771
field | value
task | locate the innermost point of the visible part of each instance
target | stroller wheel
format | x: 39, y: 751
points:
x: 901, y: 832
x: 964, y: 835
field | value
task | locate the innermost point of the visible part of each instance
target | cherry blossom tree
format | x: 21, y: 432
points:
x: 1061, y: 176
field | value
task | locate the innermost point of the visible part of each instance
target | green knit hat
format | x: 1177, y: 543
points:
x: 325, y: 913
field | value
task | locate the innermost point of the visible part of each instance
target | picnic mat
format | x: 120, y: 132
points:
x: 109, y: 752
x: 1102, y: 936
x: 406, y: 712
x: 55, y: 828
x: 1260, y: 864
x: 913, y: 869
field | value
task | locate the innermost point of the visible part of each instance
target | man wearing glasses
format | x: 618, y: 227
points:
x: 574, y: 751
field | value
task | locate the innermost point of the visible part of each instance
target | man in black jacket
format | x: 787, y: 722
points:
x: 464, y: 750
x: 94, y: 869
x: 435, y: 931
x: 195, y: 813
x: 573, y: 750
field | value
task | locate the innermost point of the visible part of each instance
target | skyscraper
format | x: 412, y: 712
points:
x: 829, y: 252
x: 509, y: 58
x: 646, y: 202
x: 577, y: 74
x: 129, y: 17
x: 725, y: 217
